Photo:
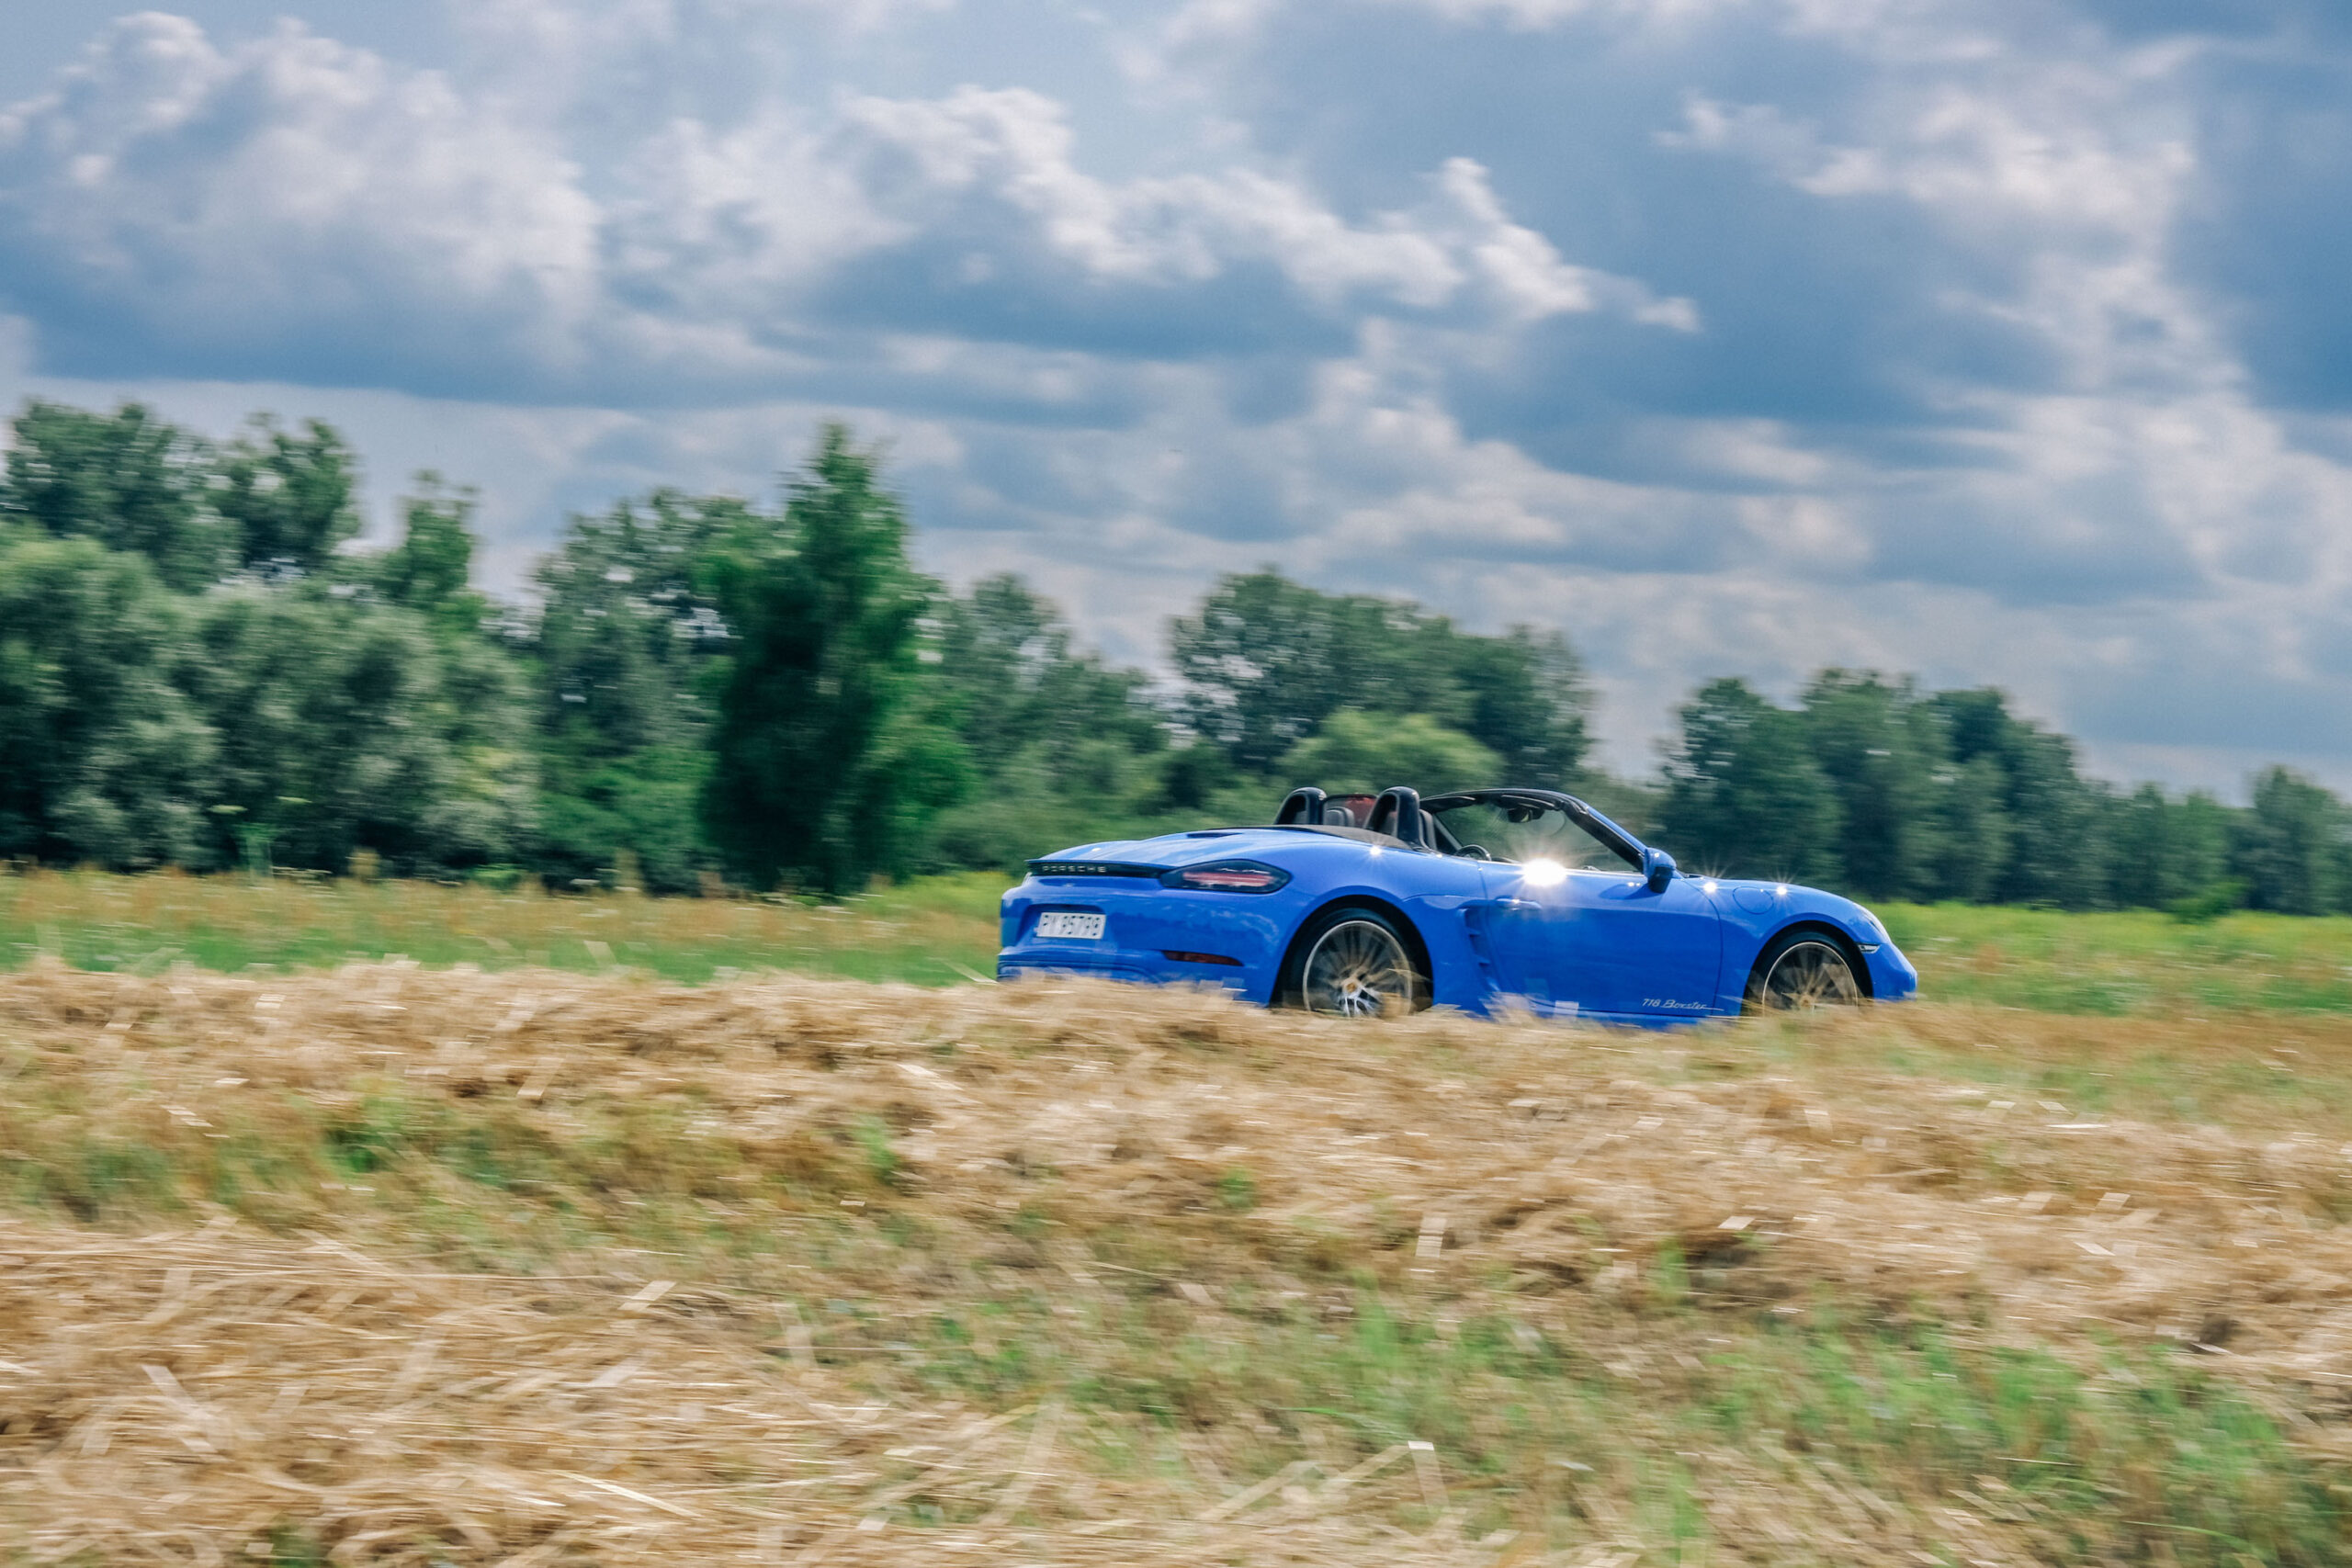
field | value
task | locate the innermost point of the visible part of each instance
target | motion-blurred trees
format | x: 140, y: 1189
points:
x: 291, y: 497
x: 103, y: 757
x: 127, y: 480
x: 342, y: 725
x: 1062, y: 745
x: 2295, y: 846
x: 627, y: 650
x: 251, y: 725
x: 1745, y: 795
x: 1362, y: 753
x: 1266, y: 661
x: 199, y: 667
x: 826, y: 760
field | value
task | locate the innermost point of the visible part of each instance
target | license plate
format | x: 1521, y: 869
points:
x: 1065, y: 926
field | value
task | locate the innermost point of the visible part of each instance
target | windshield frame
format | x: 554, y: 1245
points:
x: 1610, y: 835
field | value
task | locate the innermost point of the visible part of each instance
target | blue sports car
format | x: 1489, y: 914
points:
x: 1369, y: 905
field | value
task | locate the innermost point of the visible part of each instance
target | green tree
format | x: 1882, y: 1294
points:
x: 127, y: 480
x: 2056, y: 854
x: 1265, y: 661
x: 291, y: 497
x: 1743, y: 797
x: 1525, y: 699
x: 629, y: 649
x: 1013, y: 680
x: 341, y: 726
x: 1880, y: 749
x: 825, y: 764
x: 102, y: 757
x: 2164, y: 852
x: 430, y: 569
x: 2291, y: 846
x: 1972, y: 834
x: 1362, y: 753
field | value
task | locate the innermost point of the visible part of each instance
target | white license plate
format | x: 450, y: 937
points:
x: 1066, y: 926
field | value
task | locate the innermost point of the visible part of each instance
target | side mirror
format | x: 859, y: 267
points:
x: 1658, y: 869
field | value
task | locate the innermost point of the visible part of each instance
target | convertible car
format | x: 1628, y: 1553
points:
x: 1369, y: 905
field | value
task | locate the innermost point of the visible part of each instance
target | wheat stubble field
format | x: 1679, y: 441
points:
x: 390, y: 1265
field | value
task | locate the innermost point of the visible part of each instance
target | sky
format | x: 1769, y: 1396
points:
x: 1998, y: 343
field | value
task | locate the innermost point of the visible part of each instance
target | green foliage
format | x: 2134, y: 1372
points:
x: 2295, y: 846
x: 273, y: 719
x: 1365, y: 752
x: 342, y: 725
x: 428, y: 570
x: 626, y: 647
x: 195, y: 671
x: 1265, y: 661
x: 1879, y: 747
x: 127, y: 480
x: 1013, y: 681
x: 292, y: 498
x: 103, y: 756
x: 1744, y: 794
x: 825, y: 763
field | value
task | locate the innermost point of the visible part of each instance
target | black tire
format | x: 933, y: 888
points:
x: 1353, y: 963
x: 1801, y: 970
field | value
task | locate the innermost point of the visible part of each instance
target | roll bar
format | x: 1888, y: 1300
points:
x: 1302, y: 809
x: 1397, y: 812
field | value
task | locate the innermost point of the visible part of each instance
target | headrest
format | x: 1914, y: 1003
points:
x: 1301, y: 807
x: 1397, y: 812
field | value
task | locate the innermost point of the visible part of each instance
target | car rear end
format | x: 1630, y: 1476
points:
x: 1184, y: 908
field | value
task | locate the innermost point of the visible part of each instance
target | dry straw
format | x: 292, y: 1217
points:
x: 332, y: 1360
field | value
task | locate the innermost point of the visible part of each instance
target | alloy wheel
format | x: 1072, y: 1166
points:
x: 1359, y: 969
x: 1809, y: 974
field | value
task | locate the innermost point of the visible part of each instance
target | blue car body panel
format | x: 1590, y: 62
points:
x: 1602, y: 945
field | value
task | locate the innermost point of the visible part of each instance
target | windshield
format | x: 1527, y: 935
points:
x: 1520, y: 830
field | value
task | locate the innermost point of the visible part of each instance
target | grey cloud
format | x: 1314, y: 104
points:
x: 293, y: 208
x: 1945, y: 334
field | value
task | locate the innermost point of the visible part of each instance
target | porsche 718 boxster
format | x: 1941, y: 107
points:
x: 1364, y: 906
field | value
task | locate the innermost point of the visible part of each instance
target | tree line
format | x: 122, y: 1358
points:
x: 200, y: 668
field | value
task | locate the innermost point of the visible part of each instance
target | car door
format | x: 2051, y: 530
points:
x: 1601, y: 942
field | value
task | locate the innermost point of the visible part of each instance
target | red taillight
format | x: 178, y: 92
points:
x: 1228, y: 876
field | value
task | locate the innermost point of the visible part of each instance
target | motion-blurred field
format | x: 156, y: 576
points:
x: 386, y: 1265
x: 941, y: 931
x: 935, y: 931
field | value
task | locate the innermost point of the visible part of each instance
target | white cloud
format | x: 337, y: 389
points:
x: 1318, y: 321
x: 289, y: 184
x: 291, y: 203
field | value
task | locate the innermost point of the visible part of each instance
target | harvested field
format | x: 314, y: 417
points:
x: 393, y: 1266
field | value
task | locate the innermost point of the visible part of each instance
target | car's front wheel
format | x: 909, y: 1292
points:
x: 1353, y: 963
x: 1802, y: 970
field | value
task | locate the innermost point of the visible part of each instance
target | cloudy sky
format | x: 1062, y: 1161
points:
x: 2004, y: 342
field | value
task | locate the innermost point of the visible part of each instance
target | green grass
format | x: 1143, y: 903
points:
x: 939, y: 930
x: 934, y: 932
x: 2126, y: 961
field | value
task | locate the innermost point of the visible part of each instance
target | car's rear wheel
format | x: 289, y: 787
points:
x: 1800, y: 971
x: 1353, y: 963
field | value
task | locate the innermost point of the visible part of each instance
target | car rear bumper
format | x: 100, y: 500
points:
x: 1152, y: 934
